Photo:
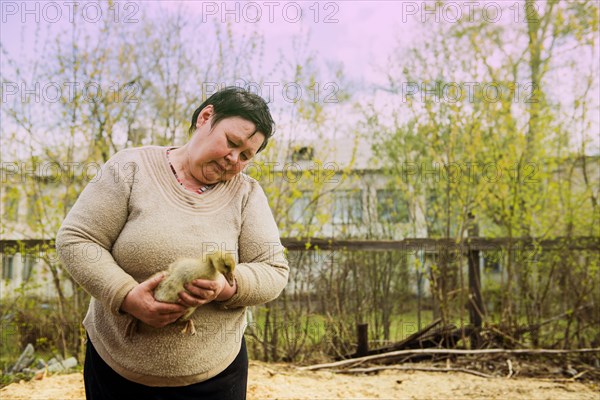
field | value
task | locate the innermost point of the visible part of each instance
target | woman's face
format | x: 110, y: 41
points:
x: 221, y: 153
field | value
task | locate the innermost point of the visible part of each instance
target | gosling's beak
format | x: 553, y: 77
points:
x: 229, y: 277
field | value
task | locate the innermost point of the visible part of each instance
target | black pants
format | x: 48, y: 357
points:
x: 103, y: 383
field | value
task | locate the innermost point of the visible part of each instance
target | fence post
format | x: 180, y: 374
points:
x: 476, y: 309
x: 363, y: 339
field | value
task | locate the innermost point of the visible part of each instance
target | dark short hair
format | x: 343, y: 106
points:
x: 233, y: 101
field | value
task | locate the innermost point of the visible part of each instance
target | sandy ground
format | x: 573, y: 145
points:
x: 278, y: 381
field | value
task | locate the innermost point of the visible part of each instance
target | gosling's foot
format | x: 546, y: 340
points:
x: 189, y: 328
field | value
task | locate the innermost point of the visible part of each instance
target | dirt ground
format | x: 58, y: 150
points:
x: 280, y: 381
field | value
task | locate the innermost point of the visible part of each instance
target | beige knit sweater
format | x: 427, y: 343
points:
x: 131, y: 221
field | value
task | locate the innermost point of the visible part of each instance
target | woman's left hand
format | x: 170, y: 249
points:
x: 203, y: 291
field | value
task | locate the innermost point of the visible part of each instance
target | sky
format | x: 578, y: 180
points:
x: 356, y: 35
x: 353, y: 33
x: 359, y: 36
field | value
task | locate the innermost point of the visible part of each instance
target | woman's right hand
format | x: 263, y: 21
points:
x: 140, y: 303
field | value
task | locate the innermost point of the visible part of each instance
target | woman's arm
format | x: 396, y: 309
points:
x: 86, y: 237
x: 87, y: 234
x: 262, y: 272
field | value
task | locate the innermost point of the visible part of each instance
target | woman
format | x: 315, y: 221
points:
x: 150, y: 206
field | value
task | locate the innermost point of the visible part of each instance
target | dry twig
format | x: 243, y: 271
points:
x: 445, y: 351
x: 411, y: 368
x: 572, y: 379
x: 510, y: 368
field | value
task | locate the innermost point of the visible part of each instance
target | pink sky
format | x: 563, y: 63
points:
x: 358, y: 35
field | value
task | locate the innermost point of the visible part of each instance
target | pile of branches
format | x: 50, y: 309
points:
x: 435, y: 350
x: 565, y: 365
